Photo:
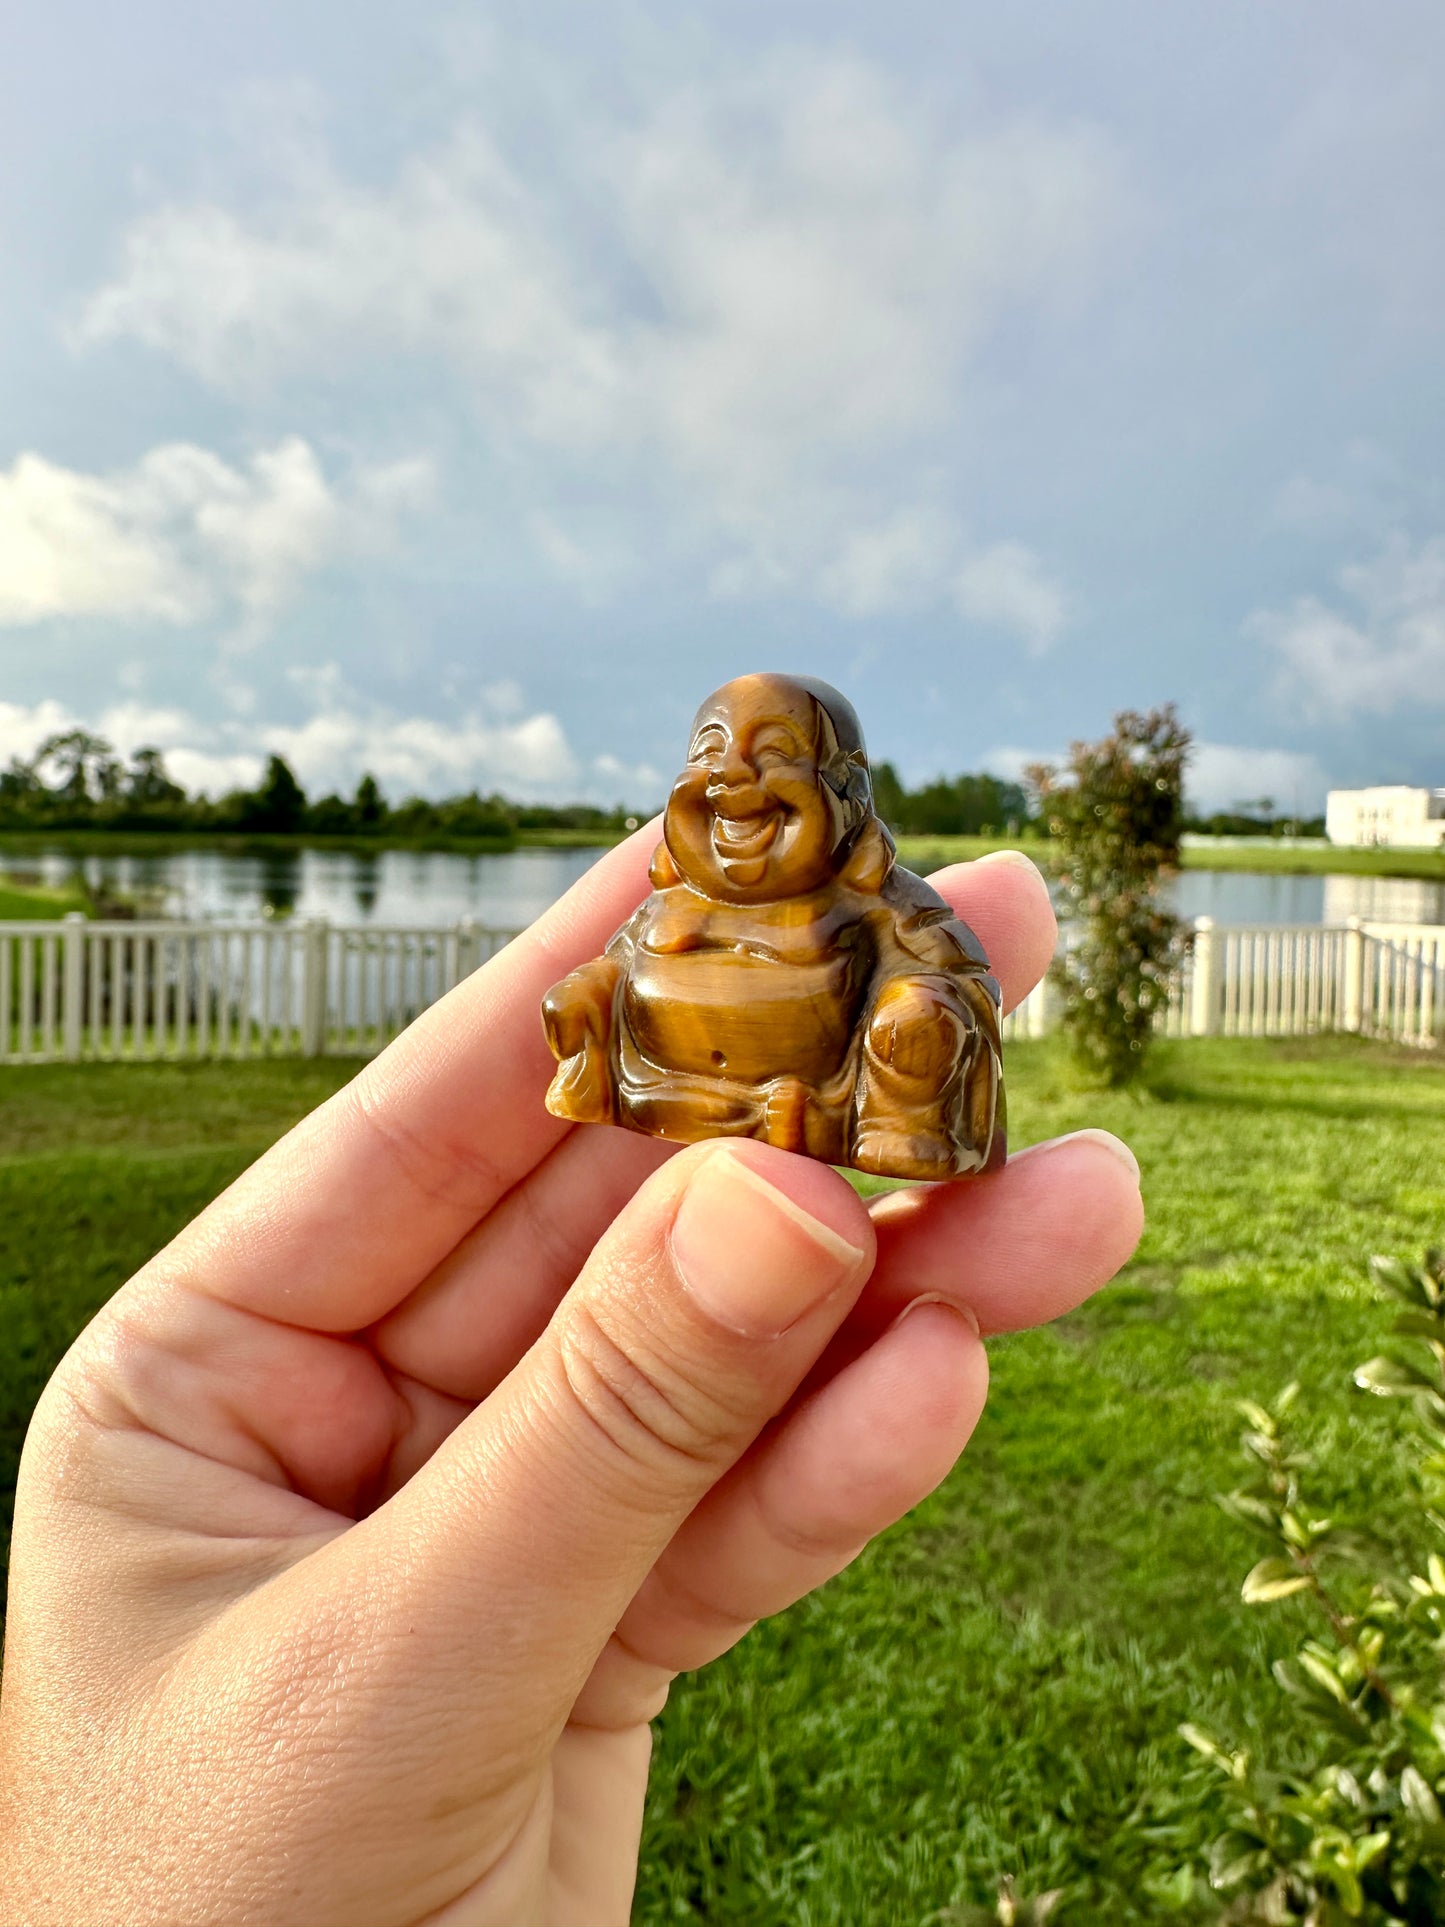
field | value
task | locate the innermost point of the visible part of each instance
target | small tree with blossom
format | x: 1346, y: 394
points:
x: 1116, y: 809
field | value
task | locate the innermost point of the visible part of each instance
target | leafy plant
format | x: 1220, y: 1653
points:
x: 1357, y: 1834
x: 1117, y: 810
x: 1011, y: 1910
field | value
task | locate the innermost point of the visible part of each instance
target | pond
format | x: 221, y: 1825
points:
x: 415, y: 888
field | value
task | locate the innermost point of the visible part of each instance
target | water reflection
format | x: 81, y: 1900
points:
x: 412, y: 888
x: 366, y: 882
x: 280, y: 882
x: 1384, y: 899
x: 405, y: 888
x: 1245, y: 896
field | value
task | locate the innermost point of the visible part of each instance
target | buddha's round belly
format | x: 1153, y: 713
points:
x: 742, y: 1017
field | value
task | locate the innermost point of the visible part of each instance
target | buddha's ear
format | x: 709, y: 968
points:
x: 870, y: 859
x: 663, y: 872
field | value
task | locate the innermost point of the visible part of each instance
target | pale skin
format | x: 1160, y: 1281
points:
x: 360, y: 1537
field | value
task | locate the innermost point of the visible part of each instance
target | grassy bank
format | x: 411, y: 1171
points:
x: 23, y: 902
x: 1261, y: 855
x: 996, y: 1686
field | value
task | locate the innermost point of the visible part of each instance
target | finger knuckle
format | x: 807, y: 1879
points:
x: 647, y: 1408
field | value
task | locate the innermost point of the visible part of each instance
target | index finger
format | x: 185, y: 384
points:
x: 366, y: 1195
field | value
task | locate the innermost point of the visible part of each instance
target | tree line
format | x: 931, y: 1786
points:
x: 76, y: 781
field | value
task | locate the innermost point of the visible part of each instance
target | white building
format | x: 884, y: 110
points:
x: 1393, y: 814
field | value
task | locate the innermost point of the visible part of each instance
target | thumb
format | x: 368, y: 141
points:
x: 693, y: 1322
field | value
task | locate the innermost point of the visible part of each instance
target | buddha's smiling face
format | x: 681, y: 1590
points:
x: 751, y: 817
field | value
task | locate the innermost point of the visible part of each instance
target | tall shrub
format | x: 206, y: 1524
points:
x: 1116, y: 809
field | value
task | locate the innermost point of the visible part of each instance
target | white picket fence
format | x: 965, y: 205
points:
x: 1382, y: 980
x: 79, y: 991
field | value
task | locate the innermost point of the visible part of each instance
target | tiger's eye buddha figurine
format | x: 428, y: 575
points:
x: 786, y: 979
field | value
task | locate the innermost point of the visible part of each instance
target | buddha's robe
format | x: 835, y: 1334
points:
x: 858, y: 1025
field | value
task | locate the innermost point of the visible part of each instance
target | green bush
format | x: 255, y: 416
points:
x: 1116, y: 810
x: 1353, y: 1832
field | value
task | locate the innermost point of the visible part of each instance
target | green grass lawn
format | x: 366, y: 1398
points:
x: 995, y: 1687
x: 1258, y: 854
x: 26, y: 903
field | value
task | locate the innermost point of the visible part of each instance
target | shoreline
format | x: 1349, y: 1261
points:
x: 1262, y: 856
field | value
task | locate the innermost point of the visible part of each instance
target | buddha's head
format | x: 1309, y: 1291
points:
x: 774, y: 793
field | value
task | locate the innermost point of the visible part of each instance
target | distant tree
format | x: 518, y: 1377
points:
x: 107, y: 775
x: 1231, y: 823
x: 83, y: 766
x: 889, y: 795
x: 21, y: 791
x: 949, y: 805
x: 475, y: 816
x: 415, y: 816
x: 562, y: 816
x: 962, y: 806
x: 149, y: 786
x: 1116, y: 808
x: 140, y: 796
x: 369, y: 809
x: 331, y: 816
x: 280, y: 801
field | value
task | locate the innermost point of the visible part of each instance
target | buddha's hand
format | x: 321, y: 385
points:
x: 360, y: 1536
x: 577, y: 1023
x: 580, y: 1006
x: 916, y: 1032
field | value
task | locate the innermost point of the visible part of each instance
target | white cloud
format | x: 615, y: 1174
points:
x: 505, y: 697
x: 786, y: 275
x: 912, y: 560
x: 825, y: 255
x: 1008, y: 760
x: 23, y: 729
x: 898, y: 564
x: 1222, y: 776
x: 410, y: 754
x: 129, y: 726
x: 73, y: 544
x: 1312, y: 506
x: 1006, y: 587
x: 593, y: 570
x: 1383, y: 649
x: 1361, y: 494
x: 213, y: 773
x: 194, y: 751
x: 451, y: 258
x: 496, y: 744
x: 183, y: 534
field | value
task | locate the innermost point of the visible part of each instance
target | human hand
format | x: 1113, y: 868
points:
x: 359, y: 1537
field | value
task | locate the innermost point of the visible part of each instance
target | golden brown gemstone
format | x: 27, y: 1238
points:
x: 787, y: 979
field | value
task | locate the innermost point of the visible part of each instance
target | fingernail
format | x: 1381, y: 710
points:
x: 965, y: 1312
x: 1106, y: 1141
x: 752, y: 1257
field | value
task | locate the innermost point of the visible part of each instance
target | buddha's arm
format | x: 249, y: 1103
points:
x: 580, y: 1006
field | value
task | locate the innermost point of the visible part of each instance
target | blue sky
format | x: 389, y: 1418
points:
x: 462, y: 393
